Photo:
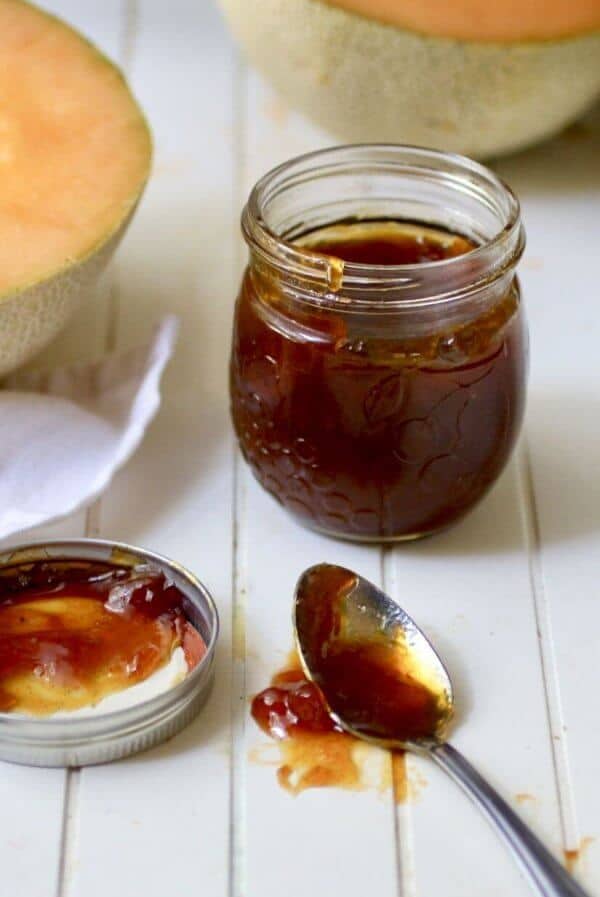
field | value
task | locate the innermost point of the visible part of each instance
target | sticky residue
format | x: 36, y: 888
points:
x: 523, y: 798
x: 319, y: 761
x: 399, y: 777
x: 238, y: 633
x: 310, y: 751
x: 574, y: 856
x: 335, y: 274
x: 313, y: 751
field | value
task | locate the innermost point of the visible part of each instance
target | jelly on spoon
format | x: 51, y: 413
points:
x: 382, y: 681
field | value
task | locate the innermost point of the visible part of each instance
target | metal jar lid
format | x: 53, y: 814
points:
x: 112, y: 735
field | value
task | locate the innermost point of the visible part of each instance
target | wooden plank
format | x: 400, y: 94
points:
x: 32, y: 833
x: 317, y: 842
x: 37, y: 798
x: 469, y: 588
x: 559, y: 185
x: 163, y: 817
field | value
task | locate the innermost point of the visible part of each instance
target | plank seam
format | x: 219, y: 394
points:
x: 130, y: 21
x: 238, y: 698
x: 238, y: 628
x: 92, y: 529
x: 403, y: 829
x: 549, y: 667
x: 93, y: 515
x: 69, y: 831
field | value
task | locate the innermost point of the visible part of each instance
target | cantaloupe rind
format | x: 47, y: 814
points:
x: 364, y: 80
x: 31, y: 318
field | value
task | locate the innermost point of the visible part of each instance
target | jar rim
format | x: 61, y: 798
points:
x: 489, y: 261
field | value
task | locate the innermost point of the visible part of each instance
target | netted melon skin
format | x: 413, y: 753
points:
x: 366, y: 81
x: 66, y: 206
x: 31, y: 318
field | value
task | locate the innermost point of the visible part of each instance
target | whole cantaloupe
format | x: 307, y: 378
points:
x: 75, y: 154
x: 471, y: 76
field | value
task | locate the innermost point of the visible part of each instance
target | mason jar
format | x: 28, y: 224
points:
x: 377, y: 400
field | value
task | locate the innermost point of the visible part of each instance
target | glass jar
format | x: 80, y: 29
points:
x: 379, y: 402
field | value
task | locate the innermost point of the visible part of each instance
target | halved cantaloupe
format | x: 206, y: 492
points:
x: 484, y: 20
x: 474, y: 76
x: 75, y: 154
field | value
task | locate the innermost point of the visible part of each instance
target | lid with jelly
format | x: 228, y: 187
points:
x: 105, y: 650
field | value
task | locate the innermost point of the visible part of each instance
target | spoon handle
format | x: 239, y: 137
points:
x: 548, y: 877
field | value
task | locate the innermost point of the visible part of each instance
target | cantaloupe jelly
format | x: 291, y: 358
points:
x: 379, y: 364
x: 366, y: 431
x: 73, y: 633
x: 314, y: 751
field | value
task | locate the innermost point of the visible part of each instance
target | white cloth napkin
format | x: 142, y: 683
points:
x: 63, y: 434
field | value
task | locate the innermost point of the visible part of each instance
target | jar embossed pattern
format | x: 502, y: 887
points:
x: 379, y: 354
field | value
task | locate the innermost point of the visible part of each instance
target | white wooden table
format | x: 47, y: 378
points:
x: 511, y: 595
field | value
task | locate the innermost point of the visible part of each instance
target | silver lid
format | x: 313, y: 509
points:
x: 109, y: 736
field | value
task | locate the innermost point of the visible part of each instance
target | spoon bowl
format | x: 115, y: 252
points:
x: 382, y: 681
x: 354, y: 641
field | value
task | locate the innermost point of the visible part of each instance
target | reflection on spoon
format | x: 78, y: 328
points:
x: 378, y: 674
x: 382, y: 681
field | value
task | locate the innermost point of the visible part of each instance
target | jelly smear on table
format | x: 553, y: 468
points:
x: 314, y: 751
x: 574, y: 856
x: 377, y: 685
x: 73, y: 632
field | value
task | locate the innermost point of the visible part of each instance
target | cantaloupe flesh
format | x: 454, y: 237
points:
x: 74, y: 147
x: 483, y: 20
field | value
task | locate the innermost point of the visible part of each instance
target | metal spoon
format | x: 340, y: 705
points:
x: 383, y: 682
